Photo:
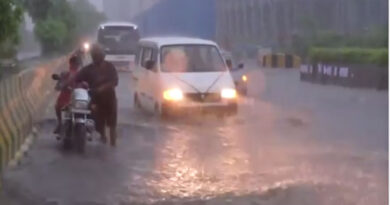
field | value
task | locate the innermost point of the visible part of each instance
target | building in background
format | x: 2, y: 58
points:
x: 277, y: 23
x: 194, y: 18
x: 125, y: 10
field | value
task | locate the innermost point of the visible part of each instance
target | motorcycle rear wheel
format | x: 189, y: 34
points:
x: 67, y: 135
x: 80, y: 135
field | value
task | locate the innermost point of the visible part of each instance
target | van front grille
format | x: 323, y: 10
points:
x: 204, y: 97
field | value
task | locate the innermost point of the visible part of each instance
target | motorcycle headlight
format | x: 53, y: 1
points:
x: 173, y: 95
x: 80, y: 105
x: 228, y: 93
x: 86, y: 46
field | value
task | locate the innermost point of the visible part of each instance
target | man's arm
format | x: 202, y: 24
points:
x: 80, y: 76
x: 74, y: 79
x: 112, y: 79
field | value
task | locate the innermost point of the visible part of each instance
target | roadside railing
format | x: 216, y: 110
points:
x: 23, y: 97
x: 281, y: 60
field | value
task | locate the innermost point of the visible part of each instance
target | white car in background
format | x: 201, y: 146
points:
x: 177, y: 74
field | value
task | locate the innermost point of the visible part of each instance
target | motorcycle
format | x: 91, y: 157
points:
x: 77, y: 123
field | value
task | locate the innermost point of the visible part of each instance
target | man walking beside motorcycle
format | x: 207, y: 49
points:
x: 102, y: 79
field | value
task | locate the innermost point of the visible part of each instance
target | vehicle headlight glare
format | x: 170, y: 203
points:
x: 86, y: 46
x: 244, y: 78
x: 173, y: 95
x: 228, y: 93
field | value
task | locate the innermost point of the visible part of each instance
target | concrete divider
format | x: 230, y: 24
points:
x: 353, y: 75
x: 281, y: 60
x: 23, y: 96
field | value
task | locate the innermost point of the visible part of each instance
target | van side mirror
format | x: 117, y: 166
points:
x: 55, y: 77
x: 149, y: 65
x: 241, y: 66
x: 229, y: 64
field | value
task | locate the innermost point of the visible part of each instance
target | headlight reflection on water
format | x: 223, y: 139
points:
x: 205, y: 163
x: 185, y: 174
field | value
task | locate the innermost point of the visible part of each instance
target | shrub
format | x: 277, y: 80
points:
x: 10, y: 18
x: 52, y: 34
x: 374, y: 38
x: 88, y: 18
x: 376, y: 56
x: 60, y: 23
x: 9, y: 47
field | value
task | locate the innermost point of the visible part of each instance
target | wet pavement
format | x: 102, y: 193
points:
x: 291, y: 143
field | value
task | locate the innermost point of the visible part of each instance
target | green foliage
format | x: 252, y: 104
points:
x: 10, y: 18
x: 87, y: 17
x: 52, y: 34
x: 376, y: 56
x: 71, y: 19
x: 312, y: 34
x: 38, y: 9
x: 60, y: 17
x: 8, y: 48
x: 377, y: 38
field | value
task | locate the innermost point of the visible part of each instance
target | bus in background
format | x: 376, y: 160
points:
x: 119, y: 40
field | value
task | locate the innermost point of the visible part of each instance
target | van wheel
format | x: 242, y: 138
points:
x: 157, y: 110
x: 137, y: 104
x: 160, y: 112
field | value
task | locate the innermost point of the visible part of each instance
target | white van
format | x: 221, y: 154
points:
x: 176, y: 74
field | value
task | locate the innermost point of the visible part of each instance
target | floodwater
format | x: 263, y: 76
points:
x: 291, y: 143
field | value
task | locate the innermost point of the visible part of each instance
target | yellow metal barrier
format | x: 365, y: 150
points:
x: 281, y: 60
x: 22, y: 97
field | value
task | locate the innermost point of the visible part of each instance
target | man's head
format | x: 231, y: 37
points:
x: 97, y: 54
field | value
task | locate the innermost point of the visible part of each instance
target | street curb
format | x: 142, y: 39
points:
x: 23, y: 152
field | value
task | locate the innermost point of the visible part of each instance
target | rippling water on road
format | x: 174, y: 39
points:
x: 205, y: 160
x: 269, y: 154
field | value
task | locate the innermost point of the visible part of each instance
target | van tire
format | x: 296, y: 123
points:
x: 160, y: 111
x: 137, y: 104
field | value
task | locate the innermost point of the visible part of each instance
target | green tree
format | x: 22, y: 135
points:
x: 10, y: 18
x: 53, y: 14
x: 38, y: 9
x: 87, y: 17
x: 52, y: 35
x: 71, y: 19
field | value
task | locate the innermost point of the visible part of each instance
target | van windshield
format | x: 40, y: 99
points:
x: 191, y: 58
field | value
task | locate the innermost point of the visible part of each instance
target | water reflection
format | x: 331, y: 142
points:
x: 212, y: 160
x: 202, y: 166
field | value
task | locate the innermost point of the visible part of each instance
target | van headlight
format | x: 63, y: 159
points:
x: 80, y: 104
x: 173, y: 95
x: 229, y: 93
x: 244, y: 78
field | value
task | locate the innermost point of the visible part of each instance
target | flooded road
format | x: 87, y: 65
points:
x: 291, y: 143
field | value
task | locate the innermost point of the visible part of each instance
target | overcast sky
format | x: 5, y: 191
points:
x: 98, y: 4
